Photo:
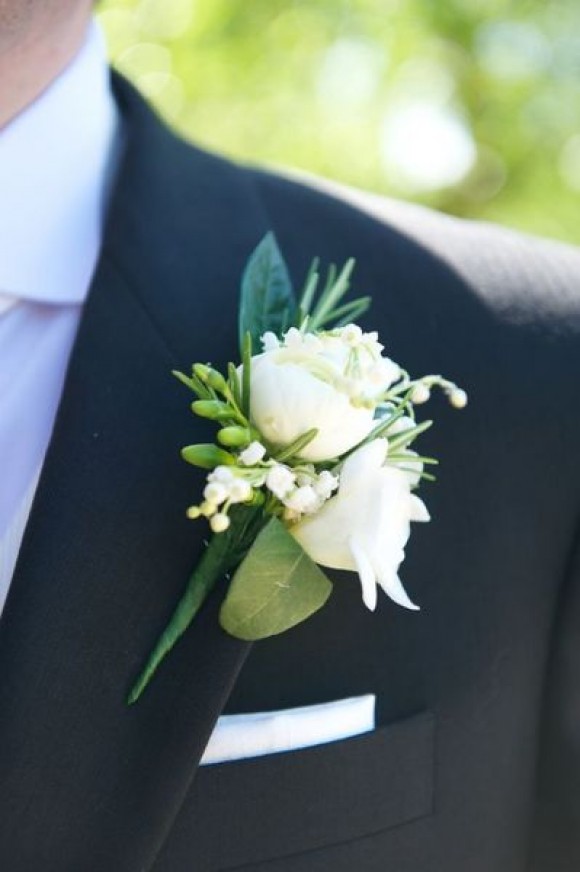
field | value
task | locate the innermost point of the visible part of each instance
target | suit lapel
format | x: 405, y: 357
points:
x: 85, y: 782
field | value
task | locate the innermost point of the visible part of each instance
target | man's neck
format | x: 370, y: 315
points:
x: 32, y: 63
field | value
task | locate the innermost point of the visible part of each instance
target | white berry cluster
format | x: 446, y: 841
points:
x: 300, y: 491
x: 223, y: 489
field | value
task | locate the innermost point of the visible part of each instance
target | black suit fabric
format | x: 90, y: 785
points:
x: 475, y: 763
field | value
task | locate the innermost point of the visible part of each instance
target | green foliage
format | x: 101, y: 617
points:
x: 329, y: 311
x: 206, y: 456
x: 267, y: 299
x: 358, y: 90
x: 293, y: 450
x: 220, y: 556
x: 276, y: 587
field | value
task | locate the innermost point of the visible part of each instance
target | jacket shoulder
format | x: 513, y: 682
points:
x: 523, y: 279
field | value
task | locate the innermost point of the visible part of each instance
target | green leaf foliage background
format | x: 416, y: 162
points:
x: 470, y: 106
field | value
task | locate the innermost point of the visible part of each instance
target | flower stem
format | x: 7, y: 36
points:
x: 224, y: 551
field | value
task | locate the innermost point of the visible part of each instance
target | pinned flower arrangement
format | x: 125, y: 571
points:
x: 312, y: 465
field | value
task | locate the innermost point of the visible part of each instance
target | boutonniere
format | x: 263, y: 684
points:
x: 312, y: 467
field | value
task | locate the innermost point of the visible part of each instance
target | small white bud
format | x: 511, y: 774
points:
x: 193, y: 512
x: 458, y: 398
x: 208, y: 509
x: 240, y: 490
x: 325, y: 484
x: 420, y: 394
x: 303, y: 499
x: 270, y: 341
x: 215, y: 492
x: 219, y: 523
x: 252, y: 454
x: 221, y: 474
x: 293, y: 338
x: 280, y: 480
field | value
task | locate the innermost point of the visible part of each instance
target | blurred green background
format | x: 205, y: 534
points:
x: 470, y: 106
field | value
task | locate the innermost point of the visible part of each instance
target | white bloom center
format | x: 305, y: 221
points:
x: 330, y: 381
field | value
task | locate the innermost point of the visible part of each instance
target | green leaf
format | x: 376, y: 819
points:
x: 276, y: 587
x: 246, y: 373
x: 405, y: 437
x: 335, y: 290
x: 350, y: 311
x: 310, y: 286
x: 234, y: 385
x: 193, y: 384
x: 267, y: 299
x: 295, y: 447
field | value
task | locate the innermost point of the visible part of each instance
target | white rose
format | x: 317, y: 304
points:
x: 330, y: 382
x: 365, y: 527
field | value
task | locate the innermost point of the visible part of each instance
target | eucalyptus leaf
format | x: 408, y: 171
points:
x: 276, y: 587
x: 267, y: 299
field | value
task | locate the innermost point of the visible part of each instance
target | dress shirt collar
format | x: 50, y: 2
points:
x: 56, y: 162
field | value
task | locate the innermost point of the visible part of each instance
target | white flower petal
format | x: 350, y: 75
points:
x: 324, y: 536
x: 412, y: 466
x: 287, y: 401
x: 366, y: 525
x: 418, y: 509
x: 330, y: 382
x: 366, y: 574
x: 393, y: 587
x: 363, y: 462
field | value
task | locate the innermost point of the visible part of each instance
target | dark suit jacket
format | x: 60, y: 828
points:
x: 475, y: 765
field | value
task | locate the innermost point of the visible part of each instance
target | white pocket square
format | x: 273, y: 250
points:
x: 237, y: 737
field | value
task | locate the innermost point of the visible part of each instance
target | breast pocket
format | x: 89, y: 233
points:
x: 251, y: 811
